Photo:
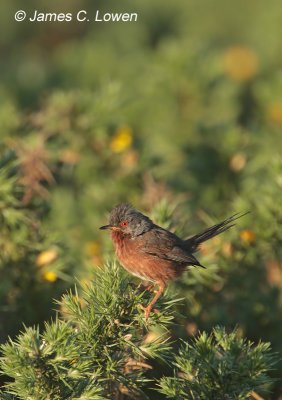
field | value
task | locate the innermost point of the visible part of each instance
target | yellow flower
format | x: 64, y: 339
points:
x: 46, y: 257
x: 122, y: 140
x: 49, y: 276
x: 247, y: 236
x: 274, y: 112
x: 240, y: 63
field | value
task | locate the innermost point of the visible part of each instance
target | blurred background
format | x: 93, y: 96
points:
x: 179, y: 113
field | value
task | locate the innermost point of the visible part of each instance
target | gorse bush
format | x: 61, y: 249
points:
x: 219, y: 366
x: 96, y: 352
x: 102, y: 349
x: 29, y: 257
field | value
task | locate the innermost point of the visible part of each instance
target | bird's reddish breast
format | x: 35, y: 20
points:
x: 122, y: 245
x: 127, y: 253
x: 140, y: 264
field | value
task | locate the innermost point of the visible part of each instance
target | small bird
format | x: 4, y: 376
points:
x: 153, y: 253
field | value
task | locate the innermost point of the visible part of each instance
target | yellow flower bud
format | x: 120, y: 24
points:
x: 247, y: 236
x: 50, y: 276
x: 46, y: 257
x: 122, y: 140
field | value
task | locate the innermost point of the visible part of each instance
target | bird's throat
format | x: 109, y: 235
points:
x: 120, y: 241
x: 118, y: 238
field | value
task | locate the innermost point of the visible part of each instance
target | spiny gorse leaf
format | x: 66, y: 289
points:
x: 219, y: 366
x: 96, y: 352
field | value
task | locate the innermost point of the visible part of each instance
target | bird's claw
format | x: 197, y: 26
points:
x: 147, y: 310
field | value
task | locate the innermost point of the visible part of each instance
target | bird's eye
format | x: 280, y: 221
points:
x: 124, y: 223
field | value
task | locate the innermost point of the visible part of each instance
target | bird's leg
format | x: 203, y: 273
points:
x: 149, y: 307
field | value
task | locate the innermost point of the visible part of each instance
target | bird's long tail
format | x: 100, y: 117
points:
x: 195, y: 241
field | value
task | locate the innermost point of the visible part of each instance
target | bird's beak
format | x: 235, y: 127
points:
x: 103, y: 228
x: 111, y: 227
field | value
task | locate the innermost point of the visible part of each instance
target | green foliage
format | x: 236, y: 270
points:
x: 99, y: 351
x: 218, y: 366
x: 24, y: 291
x: 95, y: 353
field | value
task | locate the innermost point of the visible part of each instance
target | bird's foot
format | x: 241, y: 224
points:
x: 147, y: 310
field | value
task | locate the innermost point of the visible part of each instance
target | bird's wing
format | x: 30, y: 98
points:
x: 163, y: 244
x: 182, y: 256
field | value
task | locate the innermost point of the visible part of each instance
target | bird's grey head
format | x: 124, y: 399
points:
x: 126, y: 219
